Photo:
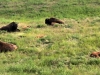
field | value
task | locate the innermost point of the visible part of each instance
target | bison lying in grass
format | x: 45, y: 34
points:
x: 12, y: 27
x: 52, y: 21
x: 95, y: 54
x: 5, y: 47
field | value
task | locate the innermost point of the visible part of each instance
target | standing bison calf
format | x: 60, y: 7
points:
x: 4, y: 47
x: 12, y: 27
x: 51, y: 21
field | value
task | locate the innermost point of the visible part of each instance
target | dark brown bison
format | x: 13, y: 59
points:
x: 12, y: 27
x: 52, y: 21
x: 95, y: 54
x: 4, y: 47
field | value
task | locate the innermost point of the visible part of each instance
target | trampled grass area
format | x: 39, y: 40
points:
x: 63, y: 49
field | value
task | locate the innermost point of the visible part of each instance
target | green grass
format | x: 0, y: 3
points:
x: 64, y: 49
x: 29, y: 9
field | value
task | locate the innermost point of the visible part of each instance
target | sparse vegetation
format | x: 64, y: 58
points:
x: 63, y: 49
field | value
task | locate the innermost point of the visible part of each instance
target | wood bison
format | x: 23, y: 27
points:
x: 5, y: 47
x: 95, y: 54
x: 51, y: 21
x: 12, y: 27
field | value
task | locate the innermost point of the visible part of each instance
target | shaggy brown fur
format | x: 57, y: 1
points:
x: 4, y: 47
x: 12, y: 27
x: 51, y: 21
x: 95, y: 54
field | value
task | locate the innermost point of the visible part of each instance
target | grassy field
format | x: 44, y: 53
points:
x: 63, y: 49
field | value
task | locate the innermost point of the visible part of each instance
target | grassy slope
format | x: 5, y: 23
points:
x: 64, y: 49
x: 29, y: 9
